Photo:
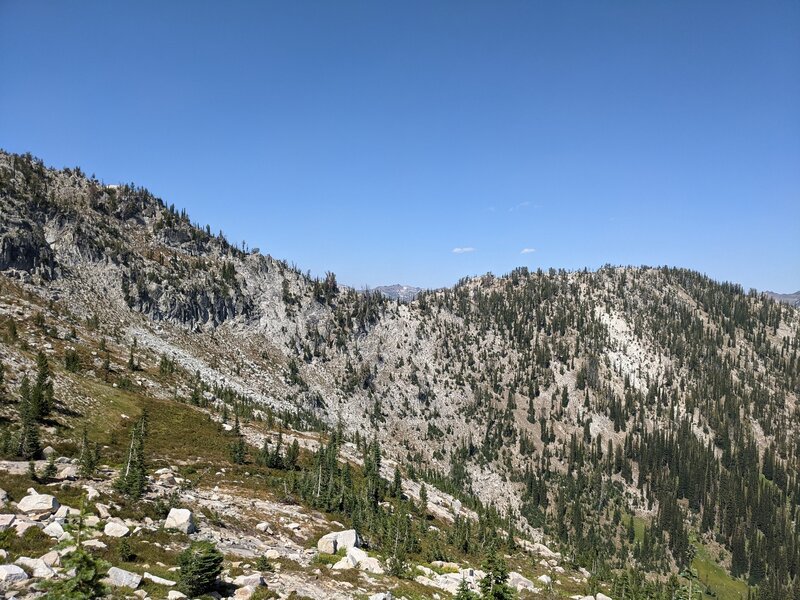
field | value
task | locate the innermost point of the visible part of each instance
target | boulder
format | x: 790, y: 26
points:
x: 97, y: 544
x: 12, y: 573
x: 272, y: 554
x: 91, y: 493
x: 381, y: 596
x: 181, y: 519
x: 48, y: 452
x: 244, y: 593
x: 327, y: 543
x: 91, y: 521
x: 348, y: 538
x: 3, y: 498
x: 544, y: 579
x: 38, y: 503
x: 158, y: 580
x: 7, y: 521
x: 544, y: 551
x: 344, y: 564
x: 175, y: 595
x: 356, y: 555
x: 67, y: 472
x: 371, y: 565
x: 116, y: 529
x: 601, y: 596
x: 54, y: 530
x: 519, y: 582
x: 51, y: 559
x: 66, y: 511
x: 122, y: 578
x: 22, y: 526
x: 253, y: 580
x: 36, y: 567
x: 330, y: 543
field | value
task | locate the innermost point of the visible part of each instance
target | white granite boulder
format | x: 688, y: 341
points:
x: 330, y: 543
x: 12, y: 573
x: 38, y: 503
x: 116, y: 528
x: 181, y: 519
x: 121, y: 578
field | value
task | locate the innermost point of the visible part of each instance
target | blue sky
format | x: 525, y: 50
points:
x: 374, y: 138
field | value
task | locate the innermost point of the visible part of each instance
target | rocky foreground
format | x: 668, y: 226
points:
x: 269, y: 553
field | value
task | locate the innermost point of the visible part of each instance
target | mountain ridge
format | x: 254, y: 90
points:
x: 503, y: 389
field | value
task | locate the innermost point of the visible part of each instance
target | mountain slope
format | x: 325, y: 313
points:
x: 573, y: 402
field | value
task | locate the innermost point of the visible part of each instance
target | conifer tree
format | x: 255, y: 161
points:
x: 494, y: 586
x: 132, y: 479
x: 463, y: 592
x: 87, y: 459
x: 28, y: 443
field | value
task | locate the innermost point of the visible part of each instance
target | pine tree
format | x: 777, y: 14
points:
x: 88, y: 571
x: 463, y: 592
x: 28, y: 443
x: 423, y: 499
x: 87, y: 459
x: 494, y: 586
x: 237, y: 448
x: 292, y: 454
x: 200, y: 565
x: 41, y: 393
x: 132, y: 479
x: 50, y: 470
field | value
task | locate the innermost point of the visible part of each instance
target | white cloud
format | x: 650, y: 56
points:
x: 519, y: 206
x: 528, y: 250
x: 464, y: 250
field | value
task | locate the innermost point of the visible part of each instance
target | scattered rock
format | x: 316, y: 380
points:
x: 6, y: 521
x: 330, y: 543
x: 244, y: 593
x: 12, y: 573
x: 181, y: 519
x: 37, y: 504
x: 122, y: 578
x: 91, y: 493
x: 158, y: 580
x: 253, y: 580
x: 519, y: 582
x: 54, y: 530
x: 36, y: 566
x: 116, y: 528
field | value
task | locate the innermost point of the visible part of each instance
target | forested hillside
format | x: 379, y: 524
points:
x: 642, y: 420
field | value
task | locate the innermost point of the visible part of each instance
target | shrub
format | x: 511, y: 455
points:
x: 200, y: 565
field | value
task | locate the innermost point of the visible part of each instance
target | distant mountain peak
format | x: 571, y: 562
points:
x: 404, y: 293
x: 792, y: 299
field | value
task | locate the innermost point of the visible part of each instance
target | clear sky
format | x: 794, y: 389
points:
x: 418, y: 142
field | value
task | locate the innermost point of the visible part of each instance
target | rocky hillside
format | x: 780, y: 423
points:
x: 638, y: 420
